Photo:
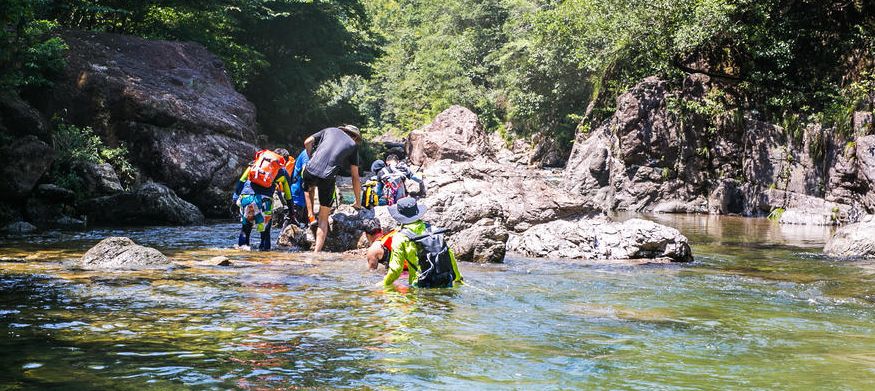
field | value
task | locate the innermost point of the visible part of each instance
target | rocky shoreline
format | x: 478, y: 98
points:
x: 189, y: 132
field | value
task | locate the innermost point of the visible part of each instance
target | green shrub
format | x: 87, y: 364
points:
x: 29, y: 55
x: 73, y: 144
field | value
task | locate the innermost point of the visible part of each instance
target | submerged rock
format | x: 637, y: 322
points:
x: 853, y: 240
x: 150, y: 204
x: 219, y: 260
x: 121, y: 253
x: 601, y: 239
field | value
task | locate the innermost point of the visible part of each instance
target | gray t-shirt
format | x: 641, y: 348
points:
x: 334, y: 148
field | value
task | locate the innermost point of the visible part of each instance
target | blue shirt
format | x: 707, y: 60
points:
x: 297, y: 186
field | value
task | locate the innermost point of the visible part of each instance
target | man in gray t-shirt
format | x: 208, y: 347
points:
x: 334, y: 148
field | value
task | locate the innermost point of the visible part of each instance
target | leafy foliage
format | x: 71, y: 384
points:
x: 280, y: 53
x: 73, y: 144
x: 543, y: 66
x: 525, y: 66
x: 29, y: 56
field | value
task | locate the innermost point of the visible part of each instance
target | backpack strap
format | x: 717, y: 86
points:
x: 428, y: 232
x: 412, y: 236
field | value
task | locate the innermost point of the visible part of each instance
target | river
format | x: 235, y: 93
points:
x: 758, y: 309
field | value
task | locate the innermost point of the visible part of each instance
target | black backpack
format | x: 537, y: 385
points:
x: 435, y: 266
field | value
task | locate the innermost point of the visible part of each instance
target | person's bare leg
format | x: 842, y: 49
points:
x: 308, y: 200
x: 322, y: 230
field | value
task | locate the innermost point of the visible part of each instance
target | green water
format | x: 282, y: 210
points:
x: 757, y: 310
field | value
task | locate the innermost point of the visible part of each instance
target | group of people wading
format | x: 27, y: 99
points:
x: 413, y: 247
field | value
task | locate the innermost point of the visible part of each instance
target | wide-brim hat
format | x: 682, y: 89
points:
x: 352, y: 129
x: 407, y: 210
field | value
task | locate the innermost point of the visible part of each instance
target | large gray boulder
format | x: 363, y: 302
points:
x: 455, y: 134
x: 800, y: 209
x: 171, y: 103
x: 98, y: 179
x: 121, y: 253
x: 482, y: 202
x: 853, y: 240
x: 149, y: 204
x: 595, y: 239
x: 345, y: 228
x: 22, y: 163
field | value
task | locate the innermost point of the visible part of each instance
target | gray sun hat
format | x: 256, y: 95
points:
x: 352, y: 129
x: 406, y: 210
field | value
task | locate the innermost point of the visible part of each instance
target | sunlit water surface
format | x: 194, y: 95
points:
x: 757, y: 309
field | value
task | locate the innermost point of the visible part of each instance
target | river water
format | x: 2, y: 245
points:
x: 758, y: 309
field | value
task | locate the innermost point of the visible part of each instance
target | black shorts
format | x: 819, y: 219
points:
x: 324, y: 186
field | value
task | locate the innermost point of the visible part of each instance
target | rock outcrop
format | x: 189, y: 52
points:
x: 52, y: 206
x: 22, y: 163
x: 853, y: 241
x: 121, y: 253
x: 99, y: 179
x: 294, y: 237
x: 482, y: 192
x: 19, y: 228
x: 149, y: 204
x: 481, y: 203
x: 171, y: 103
x: 594, y: 239
x: 649, y: 156
x: 455, y: 134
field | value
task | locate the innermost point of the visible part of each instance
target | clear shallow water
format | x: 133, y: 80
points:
x: 758, y: 309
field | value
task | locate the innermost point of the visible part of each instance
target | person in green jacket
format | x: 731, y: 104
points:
x: 409, y: 215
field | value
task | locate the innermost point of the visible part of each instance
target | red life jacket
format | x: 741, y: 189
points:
x: 266, y: 167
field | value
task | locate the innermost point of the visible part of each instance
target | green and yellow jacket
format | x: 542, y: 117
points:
x: 404, y: 249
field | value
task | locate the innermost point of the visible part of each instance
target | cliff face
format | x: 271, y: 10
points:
x: 171, y: 104
x: 647, y: 157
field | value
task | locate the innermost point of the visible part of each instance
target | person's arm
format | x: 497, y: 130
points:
x: 356, y: 186
x: 308, y: 145
x: 239, y: 186
x: 311, y: 141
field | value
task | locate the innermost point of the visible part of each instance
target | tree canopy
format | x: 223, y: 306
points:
x: 525, y: 66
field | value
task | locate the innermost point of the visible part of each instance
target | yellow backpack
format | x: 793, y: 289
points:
x: 370, y: 198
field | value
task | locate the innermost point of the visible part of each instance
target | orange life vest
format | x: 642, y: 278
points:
x: 386, y: 241
x: 266, y: 167
x: 290, y: 168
